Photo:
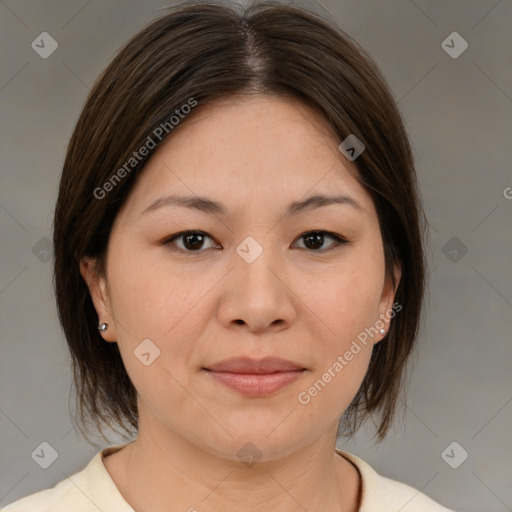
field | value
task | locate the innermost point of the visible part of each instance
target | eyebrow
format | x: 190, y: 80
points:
x: 206, y: 205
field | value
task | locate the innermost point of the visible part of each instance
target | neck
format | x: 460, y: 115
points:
x: 155, y: 473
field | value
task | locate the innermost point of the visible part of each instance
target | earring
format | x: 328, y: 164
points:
x: 383, y: 332
x: 103, y: 327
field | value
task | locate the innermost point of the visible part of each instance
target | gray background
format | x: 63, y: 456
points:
x: 458, y: 112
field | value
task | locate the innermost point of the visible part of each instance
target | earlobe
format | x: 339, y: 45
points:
x: 99, y: 296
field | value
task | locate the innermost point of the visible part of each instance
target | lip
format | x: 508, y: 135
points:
x: 255, y: 366
x: 253, y: 377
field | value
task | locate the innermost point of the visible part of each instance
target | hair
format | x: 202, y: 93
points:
x: 205, y: 52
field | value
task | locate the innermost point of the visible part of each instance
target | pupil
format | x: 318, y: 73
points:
x: 194, y: 244
x: 195, y: 240
x: 315, y: 239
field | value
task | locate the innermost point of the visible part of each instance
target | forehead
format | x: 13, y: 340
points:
x: 274, y: 150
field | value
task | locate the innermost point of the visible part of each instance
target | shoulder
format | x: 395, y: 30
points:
x: 85, y: 491
x: 386, y: 495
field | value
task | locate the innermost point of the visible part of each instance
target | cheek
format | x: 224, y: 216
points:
x: 149, y: 297
x: 335, y: 381
x: 346, y: 299
x: 153, y: 301
x: 347, y: 303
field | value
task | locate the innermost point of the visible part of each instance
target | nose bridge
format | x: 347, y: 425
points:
x: 256, y: 293
x: 253, y: 261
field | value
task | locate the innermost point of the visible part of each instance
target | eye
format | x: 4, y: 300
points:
x: 315, y: 239
x: 193, y: 241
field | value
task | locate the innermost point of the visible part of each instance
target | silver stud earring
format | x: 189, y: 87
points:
x: 383, y: 332
x: 103, y: 327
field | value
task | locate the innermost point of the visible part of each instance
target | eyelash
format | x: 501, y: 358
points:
x: 339, y: 241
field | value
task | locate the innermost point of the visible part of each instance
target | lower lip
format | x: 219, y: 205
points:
x: 252, y: 384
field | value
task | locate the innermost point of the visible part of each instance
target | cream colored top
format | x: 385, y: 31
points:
x: 92, y: 489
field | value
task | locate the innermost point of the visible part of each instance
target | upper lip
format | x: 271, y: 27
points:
x: 257, y: 366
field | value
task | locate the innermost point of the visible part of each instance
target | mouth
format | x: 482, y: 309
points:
x: 255, y: 378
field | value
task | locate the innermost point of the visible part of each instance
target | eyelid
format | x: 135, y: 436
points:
x: 167, y: 241
x: 338, y: 239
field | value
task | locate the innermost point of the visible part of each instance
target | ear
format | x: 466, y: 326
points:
x: 387, y: 310
x: 97, y: 285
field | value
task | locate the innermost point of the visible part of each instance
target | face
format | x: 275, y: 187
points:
x: 256, y: 278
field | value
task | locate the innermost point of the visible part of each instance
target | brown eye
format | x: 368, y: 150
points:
x: 313, y: 240
x: 192, y: 241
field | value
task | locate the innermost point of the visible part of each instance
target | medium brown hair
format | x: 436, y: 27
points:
x: 208, y: 51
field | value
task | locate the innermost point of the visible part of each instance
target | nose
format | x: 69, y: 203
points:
x: 257, y: 295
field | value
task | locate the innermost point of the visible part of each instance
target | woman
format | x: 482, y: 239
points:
x: 238, y: 265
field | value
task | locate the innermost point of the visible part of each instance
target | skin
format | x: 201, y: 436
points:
x: 295, y: 301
